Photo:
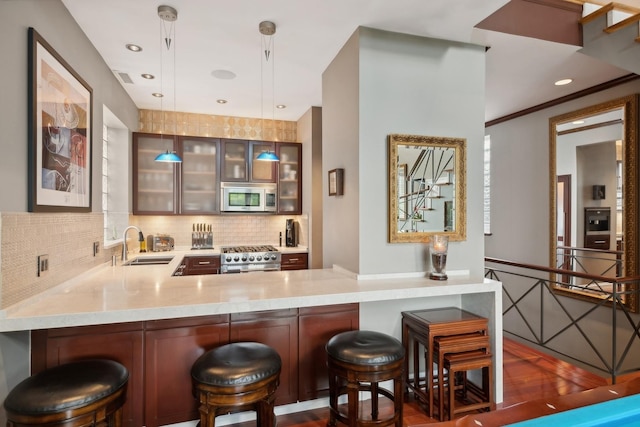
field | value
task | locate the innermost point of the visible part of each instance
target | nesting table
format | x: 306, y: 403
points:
x: 419, y: 330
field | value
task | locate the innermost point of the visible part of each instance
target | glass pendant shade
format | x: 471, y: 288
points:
x: 269, y: 156
x: 169, y: 157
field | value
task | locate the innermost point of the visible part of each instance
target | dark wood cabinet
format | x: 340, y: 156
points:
x: 278, y: 329
x: 159, y: 354
x: 155, y: 184
x: 190, y: 187
x: 171, y: 348
x: 193, y: 186
x: 316, y: 326
x: 297, y: 261
x: 120, y: 342
x: 200, y: 264
x: 290, y: 178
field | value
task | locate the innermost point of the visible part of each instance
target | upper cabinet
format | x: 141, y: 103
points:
x: 190, y: 187
x: 154, y: 183
x: 199, y: 178
x: 290, y: 178
x: 193, y: 186
x: 239, y: 162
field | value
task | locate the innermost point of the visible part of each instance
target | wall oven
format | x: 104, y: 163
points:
x: 248, y: 197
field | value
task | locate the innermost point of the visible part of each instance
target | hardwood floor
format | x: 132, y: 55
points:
x: 528, y: 374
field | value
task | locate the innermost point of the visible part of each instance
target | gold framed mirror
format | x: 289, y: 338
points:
x: 427, y: 188
x: 593, y: 179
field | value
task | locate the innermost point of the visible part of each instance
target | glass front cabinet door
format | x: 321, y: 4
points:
x: 262, y: 170
x: 154, y: 183
x: 200, y: 180
x: 235, y: 160
x: 290, y: 178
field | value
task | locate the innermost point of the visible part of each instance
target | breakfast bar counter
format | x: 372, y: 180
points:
x: 118, y: 295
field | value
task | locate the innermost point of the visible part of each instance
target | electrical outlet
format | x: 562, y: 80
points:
x: 96, y: 248
x: 43, y: 264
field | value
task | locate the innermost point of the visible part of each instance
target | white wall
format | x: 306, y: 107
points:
x: 382, y: 83
x: 340, y: 145
x: 520, y: 219
x: 54, y: 23
x: 520, y: 180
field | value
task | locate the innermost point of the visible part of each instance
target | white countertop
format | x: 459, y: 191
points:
x: 114, y: 294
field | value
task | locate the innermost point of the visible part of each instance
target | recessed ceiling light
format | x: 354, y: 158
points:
x: 157, y: 94
x: 223, y: 74
x: 563, y: 82
x: 281, y: 106
x: 133, y: 47
x: 221, y: 101
x: 148, y: 76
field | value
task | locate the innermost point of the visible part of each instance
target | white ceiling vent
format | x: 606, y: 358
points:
x: 123, y: 77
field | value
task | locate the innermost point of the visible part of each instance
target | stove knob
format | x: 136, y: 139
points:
x: 228, y: 258
x: 236, y: 258
x: 251, y: 258
x: 274, y: 257
x: 244, y: 257
x: 259, y: 258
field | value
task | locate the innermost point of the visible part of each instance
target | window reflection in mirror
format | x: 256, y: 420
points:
x: 593, y: 176
x: 426, y: 188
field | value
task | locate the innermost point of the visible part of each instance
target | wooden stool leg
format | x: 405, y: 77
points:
x: 264, y: 414
x: 374, y: 401
x: 353, y: 403
x: 398, y: 399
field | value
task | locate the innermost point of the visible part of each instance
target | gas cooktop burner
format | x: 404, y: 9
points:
x: 241, y: 259
x: 247, y: 249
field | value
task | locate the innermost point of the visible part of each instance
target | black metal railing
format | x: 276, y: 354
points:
x: 599, y: 331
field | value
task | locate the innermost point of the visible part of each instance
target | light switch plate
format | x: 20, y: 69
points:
x: 43, y: 264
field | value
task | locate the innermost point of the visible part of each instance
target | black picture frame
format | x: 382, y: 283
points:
x: 60, y: 132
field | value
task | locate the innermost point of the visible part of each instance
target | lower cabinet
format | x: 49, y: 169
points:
x: 296, y: 261
x: 171, y: 347
x: 121, y: 342
x: 159, y: 354
x: 279, y: 330
x: 316, y: 326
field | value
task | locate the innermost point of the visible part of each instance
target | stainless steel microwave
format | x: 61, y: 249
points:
x: 248, y: 197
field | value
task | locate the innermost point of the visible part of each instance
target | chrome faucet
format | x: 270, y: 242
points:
x: 124, y: 240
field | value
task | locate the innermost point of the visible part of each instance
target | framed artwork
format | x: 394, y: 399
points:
x: 336, y: 182
x: 60, y: 111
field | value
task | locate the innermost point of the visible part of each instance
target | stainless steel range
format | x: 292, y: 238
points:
x: 245, y: 259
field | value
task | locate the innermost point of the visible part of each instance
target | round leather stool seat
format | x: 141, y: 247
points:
x: 365, y: 348
x: 74, y: 390
x: 358, y: 361
x: 234, y: 377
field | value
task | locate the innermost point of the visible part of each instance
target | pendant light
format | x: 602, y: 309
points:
x: 168, y: 16
x: 267, y: 29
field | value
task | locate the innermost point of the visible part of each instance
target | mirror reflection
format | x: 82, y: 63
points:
x: 593, y: 171
x: 426, y: 188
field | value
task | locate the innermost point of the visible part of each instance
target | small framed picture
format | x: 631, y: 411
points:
x: 336, y: 182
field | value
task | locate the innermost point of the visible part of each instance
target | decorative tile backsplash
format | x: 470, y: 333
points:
x: 67, y: 238
x: 208, y: 125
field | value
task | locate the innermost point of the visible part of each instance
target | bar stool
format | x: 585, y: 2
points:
x: 358, y: 361
x: 77, y: 394
x: 452, y: 344
x: 471, y: 396
x: 237, y: 376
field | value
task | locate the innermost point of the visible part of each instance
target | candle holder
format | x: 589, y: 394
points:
x: 438, y: 248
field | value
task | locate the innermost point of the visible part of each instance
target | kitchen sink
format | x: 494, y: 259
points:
x: 149, y: 260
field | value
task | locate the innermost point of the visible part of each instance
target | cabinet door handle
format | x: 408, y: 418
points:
x: 204, y: 262
x: 293, y: 259
x: 599, y: 241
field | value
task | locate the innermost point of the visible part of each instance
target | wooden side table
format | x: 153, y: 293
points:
x: 420, y: 328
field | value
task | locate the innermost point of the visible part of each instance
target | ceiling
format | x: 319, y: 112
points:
x: 223, y: 35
